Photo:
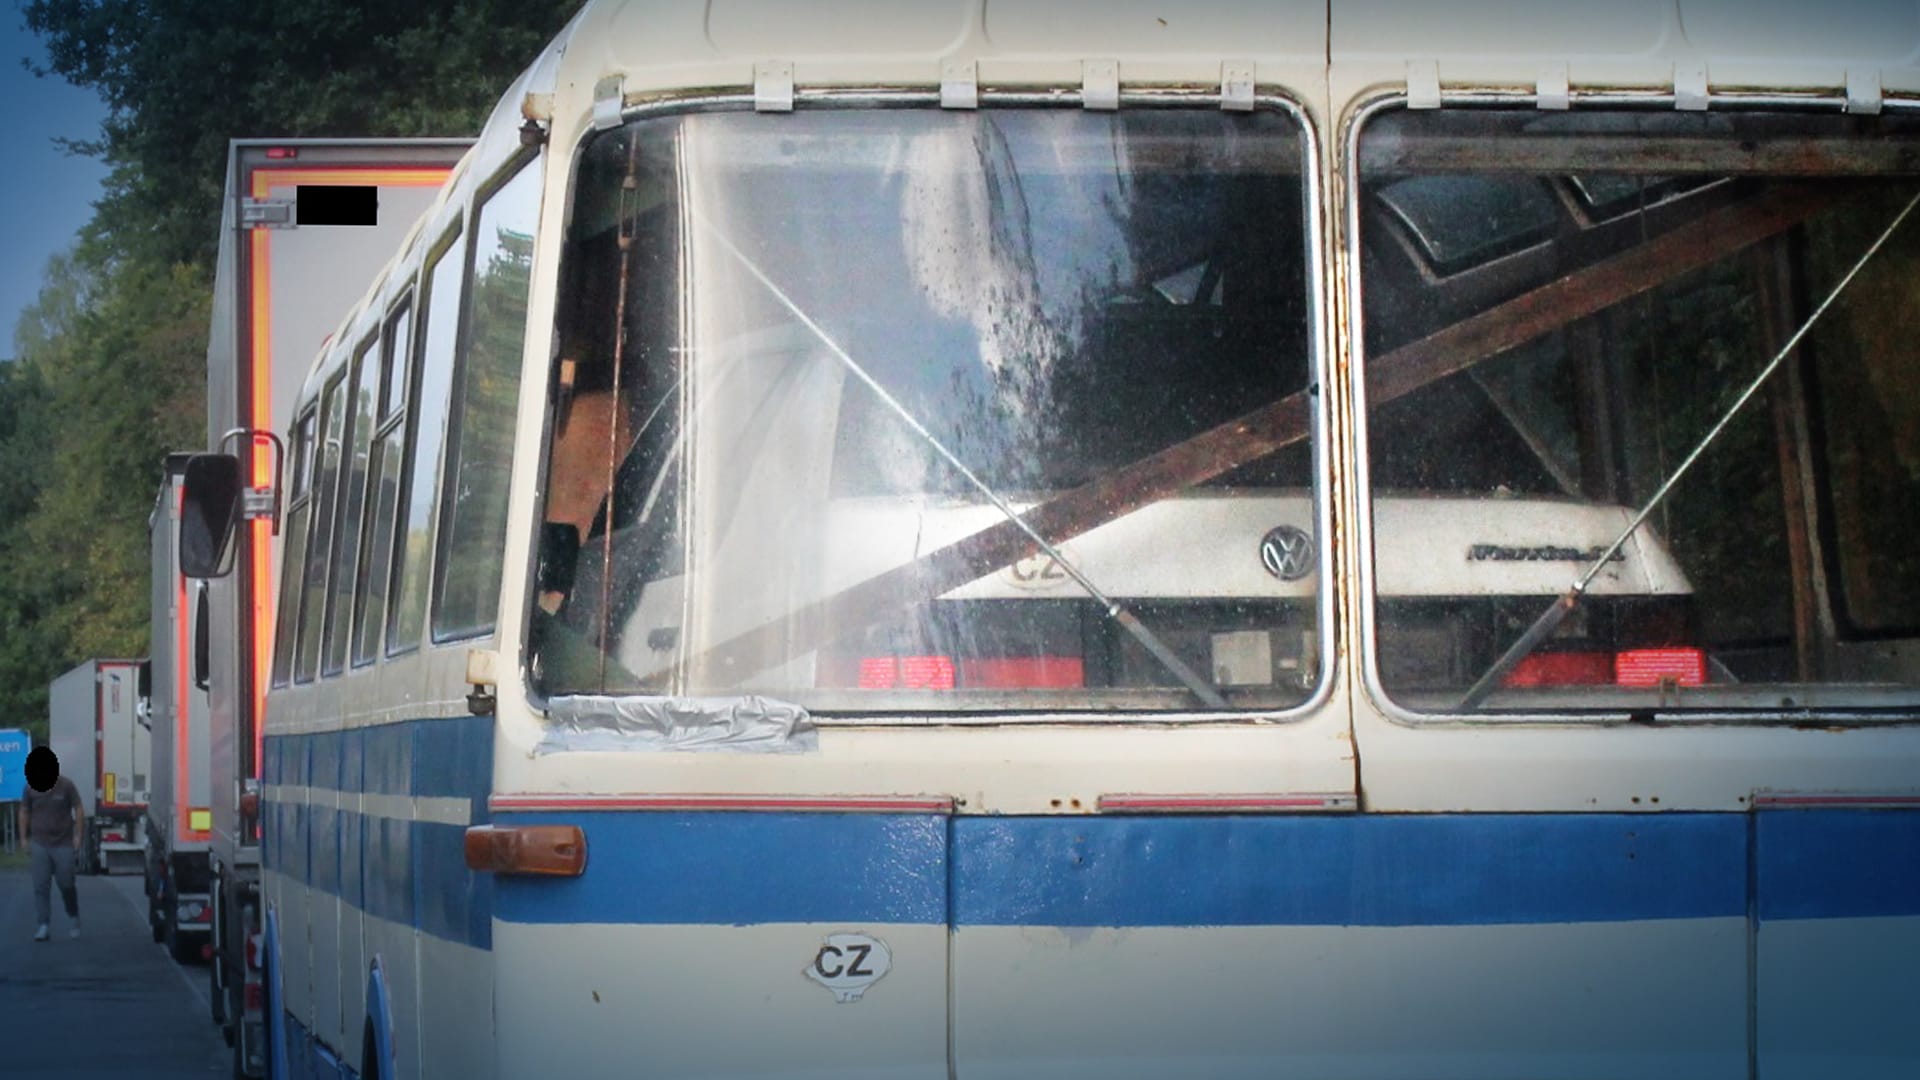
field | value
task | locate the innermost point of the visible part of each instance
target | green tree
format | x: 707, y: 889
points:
x: 182, y: 77
x: 110, y: 372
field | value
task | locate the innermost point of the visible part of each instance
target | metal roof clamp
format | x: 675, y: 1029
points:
x: 1864, y: 94
x: 1552, y: 90
x: 609, y: 97
x: 773, y: 86
x: 960, y: 84
x: 1236, y: 85
x: 1100, y: 85
x: 1690, y: 86
x: 1423, y: 84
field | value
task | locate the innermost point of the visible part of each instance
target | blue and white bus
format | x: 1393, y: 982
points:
x: 1356, y: 540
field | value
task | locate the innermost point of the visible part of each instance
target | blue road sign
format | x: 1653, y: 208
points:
x: 14, y: 745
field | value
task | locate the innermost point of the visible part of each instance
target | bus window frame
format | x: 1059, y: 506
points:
x: 394, y: 365
x: 1318, y: 265
x: 337, y: 618
x: 454, y: 234
x: 1352, y: 128
x: 483, y: 193
x: 299, y: 501
x: 326, y: 401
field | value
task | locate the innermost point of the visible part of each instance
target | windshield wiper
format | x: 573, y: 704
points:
x: 1557, y: 612
x: 1131, y: 623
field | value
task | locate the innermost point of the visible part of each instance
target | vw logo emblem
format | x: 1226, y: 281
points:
x: 1287, y: 553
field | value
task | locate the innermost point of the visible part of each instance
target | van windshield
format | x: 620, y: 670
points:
x: 797, y: 353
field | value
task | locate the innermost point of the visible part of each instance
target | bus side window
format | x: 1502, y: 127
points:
x: 383, y: 472
x: 364, y: 384
x: 333, y: 419
x: 480, y: 448
x: 299, y: 519
x: 426, y: 428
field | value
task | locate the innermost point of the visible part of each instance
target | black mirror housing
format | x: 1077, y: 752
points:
x: 208, y: 514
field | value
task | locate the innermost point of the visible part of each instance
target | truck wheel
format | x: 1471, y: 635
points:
x: 182, y: 948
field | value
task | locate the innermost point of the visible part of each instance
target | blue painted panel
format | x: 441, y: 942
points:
x: 1160, y: 871
x: 353, y: 753
x: 1366, y: 870
x: 389, y: 758
x: 1831, y: 864
x: 412, y: 873
x: 388, y: 878
x: 739, y: 869
x: 452, y: 758
x: 323, y: 822
x: 299, y: 850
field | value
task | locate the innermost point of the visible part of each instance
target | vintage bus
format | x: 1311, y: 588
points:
x: 1357, y: 540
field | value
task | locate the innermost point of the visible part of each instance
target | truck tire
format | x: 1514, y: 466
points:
x: 178, y: 944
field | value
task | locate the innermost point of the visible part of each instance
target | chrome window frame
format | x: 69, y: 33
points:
x: 1320, y: 369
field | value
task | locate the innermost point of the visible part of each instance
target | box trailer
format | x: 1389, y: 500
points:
x: 179, y: 822
x: 306, y: 227
x: 95, y: 728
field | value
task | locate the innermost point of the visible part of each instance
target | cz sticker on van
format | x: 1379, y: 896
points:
x: 849, y: 963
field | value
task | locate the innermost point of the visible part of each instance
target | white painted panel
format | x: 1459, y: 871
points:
x: 456, y: 1014
x: 292, y: 910
x: 392, y: 946
x: 1838, y: 1000
x: 1559, y: 30
x: 1858, y: 30
x: 326, y: 970
x: 353, y: 981
x: 713, y: 1001
x: 1221, y: 28
x: 784, y: 28
x: 1587, y: 767
x: 1649, y: 999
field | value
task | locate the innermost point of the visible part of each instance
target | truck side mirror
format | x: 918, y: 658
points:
x: 208, y: 512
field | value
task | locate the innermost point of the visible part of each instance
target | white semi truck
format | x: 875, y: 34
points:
x: 306, y: 224
x: 94, y: 727
x: 179, y: 822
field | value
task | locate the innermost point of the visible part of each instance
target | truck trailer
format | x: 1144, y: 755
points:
x: 95, y: 729
x: 179, y: 824
x: 305, y: 225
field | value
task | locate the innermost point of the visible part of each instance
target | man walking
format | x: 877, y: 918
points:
x: 53, y: 821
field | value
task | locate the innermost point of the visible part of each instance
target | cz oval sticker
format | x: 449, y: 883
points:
x: 849, y: 963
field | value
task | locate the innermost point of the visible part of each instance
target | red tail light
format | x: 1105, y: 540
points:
x: 115, y: 837
x: 1633, y: 667
x: 253, y: 952
x: 906, y: 673
x: 1024, y: 672
x: 1651, y: 667
x: 256, y: 997
x: 1563, y: 669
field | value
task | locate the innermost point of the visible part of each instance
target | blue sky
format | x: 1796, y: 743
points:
x: 46, y: 195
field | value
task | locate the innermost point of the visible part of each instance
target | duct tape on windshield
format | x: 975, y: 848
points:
x: 751, y: 724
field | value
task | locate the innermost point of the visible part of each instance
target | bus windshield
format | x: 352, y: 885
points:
x: 800, y: 357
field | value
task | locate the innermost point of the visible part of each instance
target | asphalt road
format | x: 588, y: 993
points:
x: 109, y: 1005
